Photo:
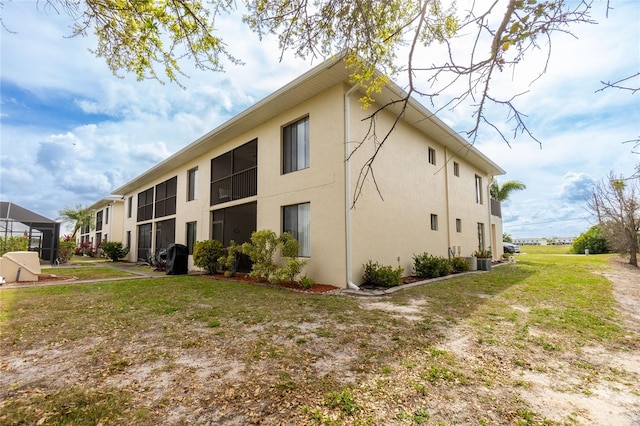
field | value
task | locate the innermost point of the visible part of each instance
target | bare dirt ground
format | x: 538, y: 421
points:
x: 614, y: 401
x: 593, y: 386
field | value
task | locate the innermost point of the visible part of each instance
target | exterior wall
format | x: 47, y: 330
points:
x: 390, y: 227
x: 321, y: 185
x: 112, y: 222
x: 389, y: 230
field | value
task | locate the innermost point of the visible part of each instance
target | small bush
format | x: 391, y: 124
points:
x: 261, y: 250
x: 428, y: 266
x: 206, y: 255
x: 307, y: 282
x: 229, y: 260
x: 114, y: 250
x: 67, y: 249
x: 8, y: 244
x: 458, y: 265
x: 288, y: 273
x: 382, y: 276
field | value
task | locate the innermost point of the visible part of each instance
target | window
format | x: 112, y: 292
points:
x: 191, y: 235
x: 106, y: 216
x: 458, y: 225
x: 297, y: 222
x: 456, y: 169
x: 480, y: 236
x: 165, y: 234
x: 434, y: 222
x: 235, y: 223
x: 478, y: 189
x: 99, y: 220
x: 166, y: 197
x: 234, y: 174
x: 130, y: 207
x: 145, y: 205
x: 295, y: 146
x: 192, y: 189
x: 144, y: 241
x: 128, y: 240
x: 432, y: 156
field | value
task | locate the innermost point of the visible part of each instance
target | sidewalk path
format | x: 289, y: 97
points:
x: 130, y: 268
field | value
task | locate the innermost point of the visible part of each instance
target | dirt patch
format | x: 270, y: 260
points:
x: 243, y: 372
x: 594, y: 385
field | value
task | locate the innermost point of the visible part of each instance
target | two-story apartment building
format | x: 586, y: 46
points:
x: 289, y: 163
x: 107, y: 222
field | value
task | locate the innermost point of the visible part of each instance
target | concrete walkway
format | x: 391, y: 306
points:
x: 131, y: 268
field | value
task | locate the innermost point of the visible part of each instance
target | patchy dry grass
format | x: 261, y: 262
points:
x: 474, y: 349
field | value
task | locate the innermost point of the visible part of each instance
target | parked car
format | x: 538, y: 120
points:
x: 510, y: 247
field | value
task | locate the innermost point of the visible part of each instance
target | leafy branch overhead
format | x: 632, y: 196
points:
x: 448, y: 54
x: 452, y: 55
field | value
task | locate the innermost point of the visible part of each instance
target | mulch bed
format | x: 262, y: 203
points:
x: 246, y: 278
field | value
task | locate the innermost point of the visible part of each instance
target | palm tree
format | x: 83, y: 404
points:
x: 501, y: 192
x: 80, y: 217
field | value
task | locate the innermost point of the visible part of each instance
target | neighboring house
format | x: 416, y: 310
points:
x: 108, y: 219
x: 562, y: 241
x: 287, y: 164
x: 530, y: 241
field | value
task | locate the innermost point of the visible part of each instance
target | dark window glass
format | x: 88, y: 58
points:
x: 296, y: 220
x: 234, y: 175
x: 144, y: 241
x: 145, y: 205
x: 192, y: 193
x: 99, y: 220
x: 191, y: 235
x: 166, y: 197
x: 295, y: 146
x: 165, y: 234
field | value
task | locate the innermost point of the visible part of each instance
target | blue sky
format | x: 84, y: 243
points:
x: 71, y: 131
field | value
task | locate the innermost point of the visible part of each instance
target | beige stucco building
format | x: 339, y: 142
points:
x: 107, y: 219
x: 289, y: 163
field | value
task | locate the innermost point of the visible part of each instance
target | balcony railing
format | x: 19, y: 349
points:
x: 239, y: 185
x: 496, y: 208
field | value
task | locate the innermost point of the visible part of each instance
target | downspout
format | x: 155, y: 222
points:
x: 347, y: 188
x: 490, y: 230
x: 446, y: 197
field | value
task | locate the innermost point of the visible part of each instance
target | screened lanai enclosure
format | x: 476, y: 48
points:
x: 43, y: 234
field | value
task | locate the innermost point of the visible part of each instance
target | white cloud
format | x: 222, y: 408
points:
x: 126, y: 126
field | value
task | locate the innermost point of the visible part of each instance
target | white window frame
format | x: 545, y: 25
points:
x: 295, y: 146
x: 300, y: 214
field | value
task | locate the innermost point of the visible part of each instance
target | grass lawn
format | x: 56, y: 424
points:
x: 192, y: 350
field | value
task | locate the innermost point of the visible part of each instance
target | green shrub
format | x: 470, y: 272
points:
x: 592, y: 240
x: 8, y: 244
x: 261, y: 250
x: 229, y: 260
x: 263, y: 247
x: 428, y: 266
x: 114, y: 250
x: 458, y: 265
x: 307, y: 282
x: 382, y: 276
x: 288, y: 273
x: 206, y: 255
x: 66, y: 249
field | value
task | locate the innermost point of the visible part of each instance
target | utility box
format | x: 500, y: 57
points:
x: 177, y: 259
x: 18, y: 266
